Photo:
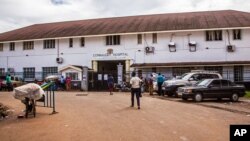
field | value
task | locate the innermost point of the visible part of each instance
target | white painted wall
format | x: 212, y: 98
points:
x: 83, y: 56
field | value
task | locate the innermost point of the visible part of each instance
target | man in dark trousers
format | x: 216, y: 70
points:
x: 8, y: 82
x: 135, y: 89
x: 160, y: 81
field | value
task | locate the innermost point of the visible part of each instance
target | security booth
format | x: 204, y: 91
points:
x: 78, y: 75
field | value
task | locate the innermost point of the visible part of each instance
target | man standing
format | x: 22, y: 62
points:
x: 135, y: 89
x: 110, y: 84
x: 150, y: 84
x: 8, y: 82
x: 68, y: 83
x: 160, y: 81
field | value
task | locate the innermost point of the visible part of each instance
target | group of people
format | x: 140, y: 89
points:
x: 136, y: 86
x: 65, y: 83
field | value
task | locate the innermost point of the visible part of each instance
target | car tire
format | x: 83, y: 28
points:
x: 234, y: 97
x: 198, y: 97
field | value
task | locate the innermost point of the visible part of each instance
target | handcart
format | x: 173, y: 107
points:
x: 29, y: 94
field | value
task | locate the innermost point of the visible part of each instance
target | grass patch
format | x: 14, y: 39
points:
x: 247, y: 94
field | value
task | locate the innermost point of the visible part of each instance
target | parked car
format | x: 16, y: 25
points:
x: 212, y: 88
x: 188, y: 79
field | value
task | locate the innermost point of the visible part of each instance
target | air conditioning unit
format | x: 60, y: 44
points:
x: 230, y: 48
x: 192, y: 46
x: 192, y: 43
x: 172, y: 47
x: 59, y: 60
x: 149, y: 49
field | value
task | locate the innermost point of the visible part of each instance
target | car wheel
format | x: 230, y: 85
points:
x: 198, y: 97
x: 234, y: 97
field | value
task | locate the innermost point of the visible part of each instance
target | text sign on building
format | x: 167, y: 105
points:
x: 110, y: 55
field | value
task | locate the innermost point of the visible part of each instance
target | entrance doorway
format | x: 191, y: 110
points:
x: 98, y: 80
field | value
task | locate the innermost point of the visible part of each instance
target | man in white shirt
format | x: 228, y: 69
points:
x: 135, y: 89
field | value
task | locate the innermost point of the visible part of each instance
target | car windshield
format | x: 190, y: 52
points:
x: 205, y: 82
x: 183, y: 76
x: 186, y: 76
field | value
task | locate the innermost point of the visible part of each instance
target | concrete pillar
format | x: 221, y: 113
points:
x: 95, y: 65
x: 84, y: 83
x: 127, y: 70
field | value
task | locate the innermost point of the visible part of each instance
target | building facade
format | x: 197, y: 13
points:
x: 166, y: 43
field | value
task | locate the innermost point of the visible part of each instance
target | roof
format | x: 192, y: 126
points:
x: 189, y: 64
x: 77, y: 68
x: 132, y: 24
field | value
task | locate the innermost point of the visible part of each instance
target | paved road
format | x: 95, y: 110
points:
x: 100, y: 116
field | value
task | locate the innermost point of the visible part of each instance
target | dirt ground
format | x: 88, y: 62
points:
x: 104, y: 117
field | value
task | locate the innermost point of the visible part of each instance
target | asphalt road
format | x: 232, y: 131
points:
x: 104, y: 117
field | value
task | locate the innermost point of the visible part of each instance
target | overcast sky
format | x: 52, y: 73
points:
x: 19, y: 13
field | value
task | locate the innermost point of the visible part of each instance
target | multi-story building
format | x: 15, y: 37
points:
x: 172, y: 43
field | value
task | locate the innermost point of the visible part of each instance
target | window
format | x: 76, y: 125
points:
x: 154, y: 37
x: 70, y: 42
x: 2, y: 71
x: 113, y: 40
x: 237, y: 34
x: 48, y: 44
x: 28, y: 45
x: 215, y: 83
x: 238, y: 73
x: 215, y: 35
x: 214, y: 68
x: 29, y: 72
x: 82, y: 42
x: 224, y: 83
x: 178, y: 71
x: 12, y: 46
x: 72, y: 75
x: 139, y: 39
x: 1, y: 46
x: 49, y: 71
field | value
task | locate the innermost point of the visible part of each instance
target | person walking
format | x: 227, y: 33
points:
x: 68, y: 83
x: 110, y: 84
x: 135, y: 89
x: 150, y: 85
x: 62, y: 82
x: 8, y: 82
x: 160, y: 81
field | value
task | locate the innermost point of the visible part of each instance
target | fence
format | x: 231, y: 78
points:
x: 48, y: 100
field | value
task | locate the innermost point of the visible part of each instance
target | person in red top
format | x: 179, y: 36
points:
x: 68, y: 83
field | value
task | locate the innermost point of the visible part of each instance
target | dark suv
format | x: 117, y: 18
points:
x: 212, y: 88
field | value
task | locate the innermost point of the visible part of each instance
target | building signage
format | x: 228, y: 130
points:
x: 110, y: 55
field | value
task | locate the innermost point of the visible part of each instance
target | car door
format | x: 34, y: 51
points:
x: 213, y: 90
x: 225, y: 89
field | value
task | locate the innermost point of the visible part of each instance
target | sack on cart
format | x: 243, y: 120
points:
x: 31, y: 91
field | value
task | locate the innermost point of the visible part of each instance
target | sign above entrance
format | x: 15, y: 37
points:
x: 111, y: 55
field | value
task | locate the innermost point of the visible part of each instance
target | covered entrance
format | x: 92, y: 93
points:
x: 98, y: 77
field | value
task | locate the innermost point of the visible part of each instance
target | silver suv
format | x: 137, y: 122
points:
x: 188, y: 79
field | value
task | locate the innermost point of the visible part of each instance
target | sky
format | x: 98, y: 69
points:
x: 15, y: 14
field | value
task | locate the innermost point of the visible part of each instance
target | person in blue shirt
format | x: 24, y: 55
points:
x: 160, y: 81
x: 110, y: 84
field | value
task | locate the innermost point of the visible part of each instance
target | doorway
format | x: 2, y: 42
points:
x: 98, y: 80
